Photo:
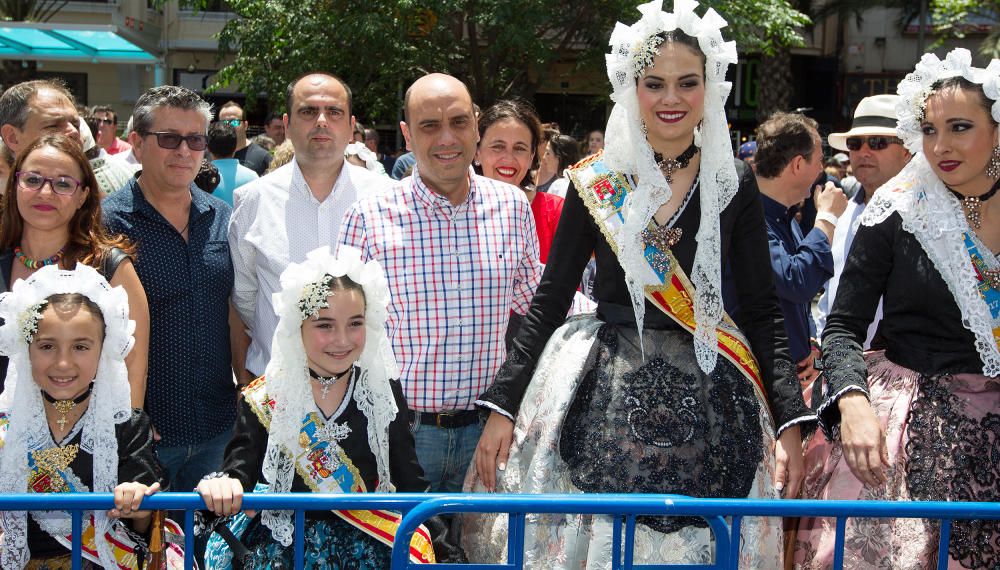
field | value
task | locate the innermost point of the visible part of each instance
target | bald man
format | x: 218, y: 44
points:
x: 460, y: 253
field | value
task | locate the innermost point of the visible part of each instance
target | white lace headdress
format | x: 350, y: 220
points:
x: 627, y: 150
x: 365, y: 154
x: 28, y: 431
x: 928, y: 210
x: 304, y: 291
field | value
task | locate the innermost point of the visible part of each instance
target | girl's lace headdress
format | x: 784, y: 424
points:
x: 927, y: 209
x: 304, y: 292
x: 28, y: 431
x: 364, y: 153
x: 626, y: 150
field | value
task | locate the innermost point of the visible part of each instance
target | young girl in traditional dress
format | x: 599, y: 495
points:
x: 67, y: 424
x: 327, y: 417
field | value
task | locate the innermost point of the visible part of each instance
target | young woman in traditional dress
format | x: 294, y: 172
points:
x: 920, y: 420
x: 660, y: 391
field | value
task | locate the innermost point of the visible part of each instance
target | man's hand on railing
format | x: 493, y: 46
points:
x: 493, y: 449
x: 222, y: 495
x: 789, y: 469
x: 128, y: 499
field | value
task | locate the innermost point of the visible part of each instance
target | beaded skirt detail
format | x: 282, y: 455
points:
x: 597, y: 418
x: 943, y: 436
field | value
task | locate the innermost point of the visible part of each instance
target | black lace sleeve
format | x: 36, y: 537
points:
x: 245, y: 453
x: 760, y: 316
x: 866, y: 272
x: 571, y: 250
x: 136, y: 460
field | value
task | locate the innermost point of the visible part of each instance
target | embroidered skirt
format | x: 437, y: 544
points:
x: 330, y: 544
x: 598, y: 418
x: 943, y: 436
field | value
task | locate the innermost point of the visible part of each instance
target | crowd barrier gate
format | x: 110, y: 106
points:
x: 419, y: 507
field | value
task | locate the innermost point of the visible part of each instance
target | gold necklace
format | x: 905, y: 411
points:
x: 64, y: 407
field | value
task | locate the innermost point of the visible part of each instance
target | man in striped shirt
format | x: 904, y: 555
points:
x: 460, y: 253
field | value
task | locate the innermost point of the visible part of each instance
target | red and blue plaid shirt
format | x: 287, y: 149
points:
x: 455, y: 274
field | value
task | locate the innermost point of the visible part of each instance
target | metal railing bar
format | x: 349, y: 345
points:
x: 943, y: 544
x: 629, y: 541
x: 300, y: 542
x: 77, y: 530
x: 838, y: 544
x: 516, y: 558
x: 736, y: 530
x: 616, y: 538
x: 188, y: 536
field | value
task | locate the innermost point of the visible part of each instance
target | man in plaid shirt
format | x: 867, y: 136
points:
x: 460, y: 253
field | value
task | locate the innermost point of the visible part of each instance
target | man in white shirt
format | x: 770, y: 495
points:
x: 279, y: 218
x: 876, y: 155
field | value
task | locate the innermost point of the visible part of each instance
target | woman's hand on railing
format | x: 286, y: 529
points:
x: 863, y: 439
x: 223, y: 495
x: 789, y: 469
x: 493, y: 449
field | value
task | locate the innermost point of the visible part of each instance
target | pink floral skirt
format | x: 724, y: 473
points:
x: 943, y: 439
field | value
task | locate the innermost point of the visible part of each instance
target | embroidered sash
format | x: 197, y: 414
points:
x: 325, y: 468
x: 55, y: 477
x: 667, y: 286
x: 990, y: 294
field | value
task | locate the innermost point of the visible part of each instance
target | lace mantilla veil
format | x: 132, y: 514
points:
x: 928, y: 210
x: 626, y: 150
x: 303, y: 293
x: 110, y: 402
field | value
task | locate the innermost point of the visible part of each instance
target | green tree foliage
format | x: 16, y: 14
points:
x: 951, y: 20
x: 500, y: 48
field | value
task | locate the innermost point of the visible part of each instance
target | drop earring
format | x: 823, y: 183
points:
x: 993, y: 167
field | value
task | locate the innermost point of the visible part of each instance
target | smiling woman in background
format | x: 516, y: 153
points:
x: 509, y: 133
x: 52, y: 216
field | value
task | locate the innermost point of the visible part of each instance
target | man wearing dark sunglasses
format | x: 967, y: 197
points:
x: 250, y: 154
x: 876, y: 156
x: 108, y: 123
x: 185, y: 268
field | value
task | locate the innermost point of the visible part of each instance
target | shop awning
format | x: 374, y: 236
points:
x: 69, y: 42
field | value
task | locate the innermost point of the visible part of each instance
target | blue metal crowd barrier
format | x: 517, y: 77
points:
x: 417, y: 508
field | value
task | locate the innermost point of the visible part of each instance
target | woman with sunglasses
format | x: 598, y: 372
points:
x: 52, y: 216
x: 920, y: 420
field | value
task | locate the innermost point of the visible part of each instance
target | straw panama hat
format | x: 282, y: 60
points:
x: 875, y: 115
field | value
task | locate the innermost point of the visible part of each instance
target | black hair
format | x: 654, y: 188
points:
x: 965, y: 84
x: 522, y: 112
x: 222, y: 139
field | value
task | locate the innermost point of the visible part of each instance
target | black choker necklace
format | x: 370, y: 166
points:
x: 327, y: 381
x: 669, y: 165
x: 974, y: 204
x: 63, y: 407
